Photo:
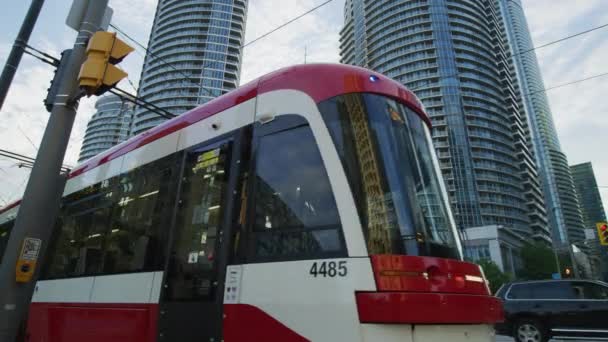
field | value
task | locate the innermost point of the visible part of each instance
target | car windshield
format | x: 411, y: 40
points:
x: 389, y: 161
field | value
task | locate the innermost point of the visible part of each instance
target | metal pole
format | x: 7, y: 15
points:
x: 12, y: 62
x: 37, y: 213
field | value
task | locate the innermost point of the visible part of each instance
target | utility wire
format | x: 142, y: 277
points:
x: 286, y: 23
x: 55, y: 60
x: 28, y: 138
x: 567, y: 84
x: 3, y: 200
x: 17, y: 189
x: 140, y: 102
x: 49, y: 62
x: 155, y: 56
x: 7, y: 155
x: 119, y: 92
x: 155, y: 108
x: 242, y: 46
x: 530, y: 50
x: 23, y: 158
x: 563, y: 39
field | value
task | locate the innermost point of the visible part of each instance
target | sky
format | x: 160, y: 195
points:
x: 580, y: 111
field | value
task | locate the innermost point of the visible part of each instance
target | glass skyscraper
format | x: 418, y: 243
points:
x: 194, y: 55
x: 456, y: 56
x: 562, y: 205
x: 109, y: 126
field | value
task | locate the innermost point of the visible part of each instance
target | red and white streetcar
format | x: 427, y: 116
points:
x: 306, y: 205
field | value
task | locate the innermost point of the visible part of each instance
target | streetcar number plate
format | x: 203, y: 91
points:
x: 329, y: 269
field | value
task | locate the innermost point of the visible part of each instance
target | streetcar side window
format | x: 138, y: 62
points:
x: 295, y: 211
x: 117, y: 225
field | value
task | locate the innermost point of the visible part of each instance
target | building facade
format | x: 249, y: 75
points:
x: 109, y: 126
x: 593, y: 212
x: 497, y: 244
x: 589, y: 194
x: 194, y: 55
x: 455, y: 55
x: 562, y: 205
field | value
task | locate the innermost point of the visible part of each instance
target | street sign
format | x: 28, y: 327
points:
x: 77, y: 11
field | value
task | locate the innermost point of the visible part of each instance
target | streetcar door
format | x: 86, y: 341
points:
x: 192, y: 291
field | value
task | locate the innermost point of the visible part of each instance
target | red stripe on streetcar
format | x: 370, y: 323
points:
x: 428, y: 308
x: 319, y: 81
x: 243, y: 322
x: 92, y: 322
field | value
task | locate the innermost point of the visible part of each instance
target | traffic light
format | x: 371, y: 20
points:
x: 98, y: 73
x: 602, y: 233
x: 54, y: 87
x: 567, y: 272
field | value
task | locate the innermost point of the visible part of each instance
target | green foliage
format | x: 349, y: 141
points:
x: 493, y: 273
x: 538, y: 261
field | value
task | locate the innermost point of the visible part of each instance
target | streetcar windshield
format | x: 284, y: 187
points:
x: 386, y: 152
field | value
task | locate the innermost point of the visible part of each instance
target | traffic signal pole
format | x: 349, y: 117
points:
x: 37, y: 214
x: 14, y: 58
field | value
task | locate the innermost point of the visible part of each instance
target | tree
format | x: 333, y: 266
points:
x: 538, y: 261
x: 493, y: 274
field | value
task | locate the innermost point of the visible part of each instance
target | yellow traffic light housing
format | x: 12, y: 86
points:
x: 98, y: 73
x: 602, y: 233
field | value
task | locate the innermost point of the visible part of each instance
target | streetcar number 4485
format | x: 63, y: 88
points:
x: 329, y: 269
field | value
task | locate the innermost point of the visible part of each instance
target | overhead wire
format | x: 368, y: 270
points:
x: 567, y: 84
x: 155, y: 56
x: 27, y: 137
x: 141, y: 102
x: 23, y: 158
x: 527, y: 51
x: 286, y: 23
x: 49, y: 62
x: 46, y: 55
x: 189, y: 77
x: 563, y: 39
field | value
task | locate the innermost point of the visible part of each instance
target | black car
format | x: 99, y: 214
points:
x: 536, y: 311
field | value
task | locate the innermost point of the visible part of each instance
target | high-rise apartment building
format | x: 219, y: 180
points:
x: 562, y: 205
x: 593, y: 212
x: 456, y: 57
x: 109, y: 126
x: 588, y: 194
x: 194, y: 55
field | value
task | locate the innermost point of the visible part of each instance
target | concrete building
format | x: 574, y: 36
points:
x: 194, y: 55
x: 109, y: 126
x: 457, y: 58
x: 495, y: 243
x: 562, y: 205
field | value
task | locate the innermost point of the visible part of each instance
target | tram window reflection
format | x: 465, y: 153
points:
x: 295, y: 210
